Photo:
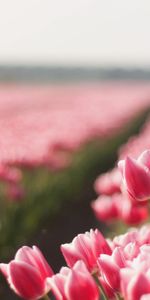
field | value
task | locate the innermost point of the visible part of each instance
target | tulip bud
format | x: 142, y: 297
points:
x: 74, y: 284
x: 144, y: 158
x: 136, y: 179
x: 86, y: 247
x: 105, y: 208
x: 110, y: 271
x: 27, y: 273
x: 133, y: 214
x: 108, y: 290
x: 137, y: 286
x: 108, y: 183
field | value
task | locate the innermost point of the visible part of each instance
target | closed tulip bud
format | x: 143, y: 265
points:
x: 106, y: 207
x: 118, y: 257
x: 135, y: 285
x: 108, y: 290
x: 144, y: 158
x: 27, y: 273
x: 126, y: 276
x: 133, y: 214
x: 86, y: 247
x: 108, y: 183
x: 136, y: 179
x: 131, y: 250
x: 110, y: 271
x: 74, y: 284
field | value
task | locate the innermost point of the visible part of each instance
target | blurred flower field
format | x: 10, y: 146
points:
x: 55, y: 141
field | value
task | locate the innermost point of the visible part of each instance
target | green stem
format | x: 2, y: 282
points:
x: 100, y: 287
x: 46, y: 297
x: 118, y: 297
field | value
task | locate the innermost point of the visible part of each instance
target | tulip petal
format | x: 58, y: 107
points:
x: 24, y: 254
x: 81, y: 286
x: 34, y: 258
x: 56, y: 283
x: 44, y: 267
x: 138, y: 286
x: 25, y: 280
x: 4, y: 269
x: 137, y: 179
x: 144, y: 158
x: 110, y: 271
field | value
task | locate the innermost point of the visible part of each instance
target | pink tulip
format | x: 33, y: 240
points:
x: 106, y: 207
x: 108, y: 290
x: 124, y: 239
x: 134, y: 237
x: 131, y: 251
x: 74, y: 284
x: 110, y: 271
x: 110, y: 267
x: 27, y: 273
x: 133, y: 214
x: 86, y: 247
x: 126, y: 276
x: 144, y: 235
x: 134, y: 284
x: 108, y: 183
x: 144, y: 158
x: 136, y: 178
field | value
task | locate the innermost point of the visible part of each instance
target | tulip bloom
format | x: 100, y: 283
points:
x: 106, y: 208
x: 27, y: 273
x: 110, y: 267
x: 74, y: 284
x: 132, y: 213
x: 135, y: 237
x: 136, y: 176
x: 86, y: 247
x: 134, y: 284
x: 107, y: 289
x: 108, y: 183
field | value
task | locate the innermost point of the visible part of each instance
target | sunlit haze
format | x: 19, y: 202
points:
x: 80, y: 32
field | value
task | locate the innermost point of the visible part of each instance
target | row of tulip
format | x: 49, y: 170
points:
x: 37, y: 123
x: 54, y: 190
x: 39, y: 118
x: 50, y: 143
x: 113, y: 269
x: 117, y: 268
x: 113, y: 203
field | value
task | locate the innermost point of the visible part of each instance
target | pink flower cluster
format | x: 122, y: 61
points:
x: 37, y: 122
x: 125, y: 191
x: 127, y: 269
x: 116, y: 269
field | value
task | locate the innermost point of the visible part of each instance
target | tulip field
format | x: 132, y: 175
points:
x: 74, y: 191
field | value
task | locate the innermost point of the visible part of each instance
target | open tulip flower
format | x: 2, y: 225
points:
x: 27, y: 273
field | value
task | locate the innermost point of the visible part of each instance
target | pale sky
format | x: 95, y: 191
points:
x: 86, y: 32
